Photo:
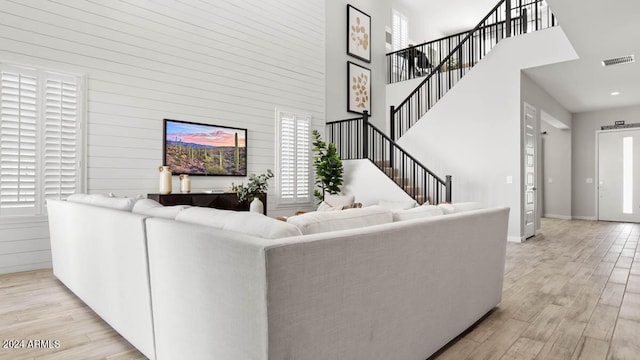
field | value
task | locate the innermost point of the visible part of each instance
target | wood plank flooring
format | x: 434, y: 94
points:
x: 572, y: 292
x: 34, y: 305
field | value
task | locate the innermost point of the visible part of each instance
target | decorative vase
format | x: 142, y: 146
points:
x: 256, y: 206
x: 165, y: 180
x: 185, y: 183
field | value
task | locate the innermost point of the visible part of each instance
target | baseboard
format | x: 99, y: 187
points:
x: 590, y: 218
x: 555, y: 216
x: 515, y: 239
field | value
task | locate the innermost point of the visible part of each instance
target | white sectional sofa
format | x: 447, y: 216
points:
x: 203, y: 288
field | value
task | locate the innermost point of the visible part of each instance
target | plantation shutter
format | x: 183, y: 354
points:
x: 287, y: 158
x: 18, y: 141
x: 60, y: 153
x: 399, y: 39
x: 302, y: 159
x: 39, y: 139
x: 294, y: 158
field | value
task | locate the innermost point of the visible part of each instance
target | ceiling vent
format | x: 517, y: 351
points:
x: 619, y: 60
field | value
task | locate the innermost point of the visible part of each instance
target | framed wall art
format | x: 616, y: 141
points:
x: 359, y: 91
x: 358, y: 34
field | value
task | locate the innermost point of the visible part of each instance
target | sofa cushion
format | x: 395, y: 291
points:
x: 240, y: 221
x: 417, y: 212
x: 459, y: 207
x: 398, y: 204
x: 153, y: 208
x: 125, y: 204
x: 325, y: 221
x: 80, y: 198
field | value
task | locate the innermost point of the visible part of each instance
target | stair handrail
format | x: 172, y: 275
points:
x: 359, y: 133
x: 448, y: 57
x: 445, y: 39
x: 438, y: 70
x: 404, y: 152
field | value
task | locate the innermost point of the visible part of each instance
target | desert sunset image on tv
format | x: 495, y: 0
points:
x: 202, y: 149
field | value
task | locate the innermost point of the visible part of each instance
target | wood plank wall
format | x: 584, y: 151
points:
x: 221, y: 62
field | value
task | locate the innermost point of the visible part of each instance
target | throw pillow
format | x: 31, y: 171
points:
x: 326, y: 207
x: 339, y: 201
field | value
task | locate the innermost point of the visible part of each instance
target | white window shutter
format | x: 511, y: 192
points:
x: 400, y: 28
x: 39, y: 139
x: 60, y: 137
x: 293, y: 162
x: 18, y: 141
x: 302, y: 159
x: 287, y: 158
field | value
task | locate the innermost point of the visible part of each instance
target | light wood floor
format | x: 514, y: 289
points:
x: 572, y: 292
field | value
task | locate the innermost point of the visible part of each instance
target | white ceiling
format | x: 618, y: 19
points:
x: 598, y: 30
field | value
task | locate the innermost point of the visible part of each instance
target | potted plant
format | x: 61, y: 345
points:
x: 256, y: 186
x: 328, y: 167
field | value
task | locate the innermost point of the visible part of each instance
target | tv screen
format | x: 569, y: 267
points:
x: 203, y: 149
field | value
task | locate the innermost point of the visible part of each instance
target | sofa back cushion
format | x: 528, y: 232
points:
x: 117, y: 203
x: 245, y: 222
x: 325, y: 221
x: 398, y: 204
x: 459, y: 207
x: 417, y: 212
x: 153, y: 208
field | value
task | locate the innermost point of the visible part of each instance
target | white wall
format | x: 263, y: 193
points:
x: 585, y: 126
x: 226, y: 63
x: 474, y: 133
x: 369, y: 185
x: 336, y: 58
x: 556, y: 184
x: 554, y: 152
x: 421, y: 29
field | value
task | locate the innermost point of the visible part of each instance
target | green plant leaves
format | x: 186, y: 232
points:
x: 328, y: 166
x: 257, y: 185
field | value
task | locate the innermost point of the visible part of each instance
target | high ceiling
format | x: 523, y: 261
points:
x: 598, y: 30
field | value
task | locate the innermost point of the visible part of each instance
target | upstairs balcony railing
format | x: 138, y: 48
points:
x: 356, y: 138
x: 445, y: 61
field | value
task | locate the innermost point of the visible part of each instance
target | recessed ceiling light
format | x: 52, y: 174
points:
x: 615, y: 93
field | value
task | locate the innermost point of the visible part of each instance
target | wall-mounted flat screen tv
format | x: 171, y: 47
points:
x: 203, y: 149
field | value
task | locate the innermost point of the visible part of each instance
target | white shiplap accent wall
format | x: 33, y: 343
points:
x: 221, y: 62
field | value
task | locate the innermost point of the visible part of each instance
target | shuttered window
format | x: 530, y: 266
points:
x: 400, y: 38
x: 293, y: 158
x: 60, y: 138
x: 39, y: 139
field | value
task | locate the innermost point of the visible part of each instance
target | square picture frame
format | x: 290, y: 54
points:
x: 359, y: 88
x: 358, y: 34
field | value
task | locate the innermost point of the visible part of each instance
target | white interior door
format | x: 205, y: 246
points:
x: 619, y: 175
x: 529, y: 171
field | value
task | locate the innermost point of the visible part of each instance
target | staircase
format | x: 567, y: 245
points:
x: 356, y: 138
x: 508, y: 18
